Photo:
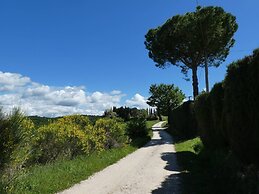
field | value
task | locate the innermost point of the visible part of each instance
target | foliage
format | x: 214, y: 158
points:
x: 152, y: 117
x: 137, y: 128
x: 24, y: 145
x: 127, y: 113
x: 188, y: 40
x: 109, y: 113
x: 46, y: 178
x: 40, y: 121
x: 16, y: 136
x: 241, y: 104
x: 74, y: 135
x: 182, y: 120
x: 216, y: 98
x: 67, y: 137
x: 164, y: 97
x: 113, y: 131
x: 210, y: 118
x: 203, y: 116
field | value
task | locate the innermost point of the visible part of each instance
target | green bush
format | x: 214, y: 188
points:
x: 202, y: 109
x: 241, y: 107
x: 209, y: 116
x: 114, y: 132
x: 16, y: 133
x: 137, y: 127
x: 16, y: 136
x: 219, y: 133
x: 182, y: 121
x: 152, y: 117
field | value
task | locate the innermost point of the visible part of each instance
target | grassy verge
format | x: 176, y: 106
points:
x: 57, y: 176
x: 206, y: 171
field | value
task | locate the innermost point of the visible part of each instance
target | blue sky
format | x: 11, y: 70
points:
x: 97, y: 47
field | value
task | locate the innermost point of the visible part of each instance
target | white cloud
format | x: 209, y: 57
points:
x: 11, y: 81
x: 38, y: 99
x: 137, y: 101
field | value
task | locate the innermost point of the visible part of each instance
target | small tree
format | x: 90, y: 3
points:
x: 199, y: 38
x: 164, y: 97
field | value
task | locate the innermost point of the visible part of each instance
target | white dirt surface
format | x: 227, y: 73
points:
x: 151, y: 169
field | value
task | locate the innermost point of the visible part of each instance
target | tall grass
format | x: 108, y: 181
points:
x: 57, y: 176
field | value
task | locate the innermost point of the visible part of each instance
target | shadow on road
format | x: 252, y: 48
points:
x: 173, y: 183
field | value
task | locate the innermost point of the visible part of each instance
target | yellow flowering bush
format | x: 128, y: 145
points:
x: 66, y: 137
x: 113, y: 131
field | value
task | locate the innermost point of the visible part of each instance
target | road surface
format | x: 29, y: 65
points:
x: 151, y: 169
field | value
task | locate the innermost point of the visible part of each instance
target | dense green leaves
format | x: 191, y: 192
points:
x: 241, y: 105
x: 165, y: 97
x: 182, y: 120
x: 228, y: 115
x: 188, y: 40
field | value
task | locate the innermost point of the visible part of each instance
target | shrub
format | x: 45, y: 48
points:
x: 113, y: 130
x: 137, y: 127
x: 67, y: 137
x: 209, y: 116
x: 16, y: 136
x: 202, y: 109
x: 182, y: 120
x: 241, y: 107
x: 16, y: 133
x: 152, y: 117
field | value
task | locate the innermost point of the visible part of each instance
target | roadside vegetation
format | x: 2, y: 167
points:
x: 224, y: 159
x: 49, y: 155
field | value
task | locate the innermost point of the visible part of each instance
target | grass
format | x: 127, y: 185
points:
x: 213, y: 171
x: 189, y: 145
x: 59, y: 175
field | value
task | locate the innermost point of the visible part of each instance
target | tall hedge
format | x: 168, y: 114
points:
x: 241, y: 107
x: 182, y: 120
x: 203, y: 116
x: 209, y: 116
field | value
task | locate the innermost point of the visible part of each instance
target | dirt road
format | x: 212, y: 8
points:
x: 151, y: 169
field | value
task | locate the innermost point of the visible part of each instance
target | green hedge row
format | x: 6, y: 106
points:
x: 182, y: 121
x: 209, y: 114
x: 229, y: 115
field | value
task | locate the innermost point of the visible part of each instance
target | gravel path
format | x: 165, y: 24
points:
x: 151, y: 169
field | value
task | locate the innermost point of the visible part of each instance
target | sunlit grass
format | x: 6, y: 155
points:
x: 60, y: 175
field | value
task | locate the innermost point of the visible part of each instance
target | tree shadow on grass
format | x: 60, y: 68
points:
x: 173, y: 183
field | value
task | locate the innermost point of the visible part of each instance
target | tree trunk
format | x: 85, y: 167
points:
x: 195, y: 82
x: 159, y: 115
x: 207, y: 74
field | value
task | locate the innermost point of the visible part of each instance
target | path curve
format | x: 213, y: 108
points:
x: 151, y: 169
